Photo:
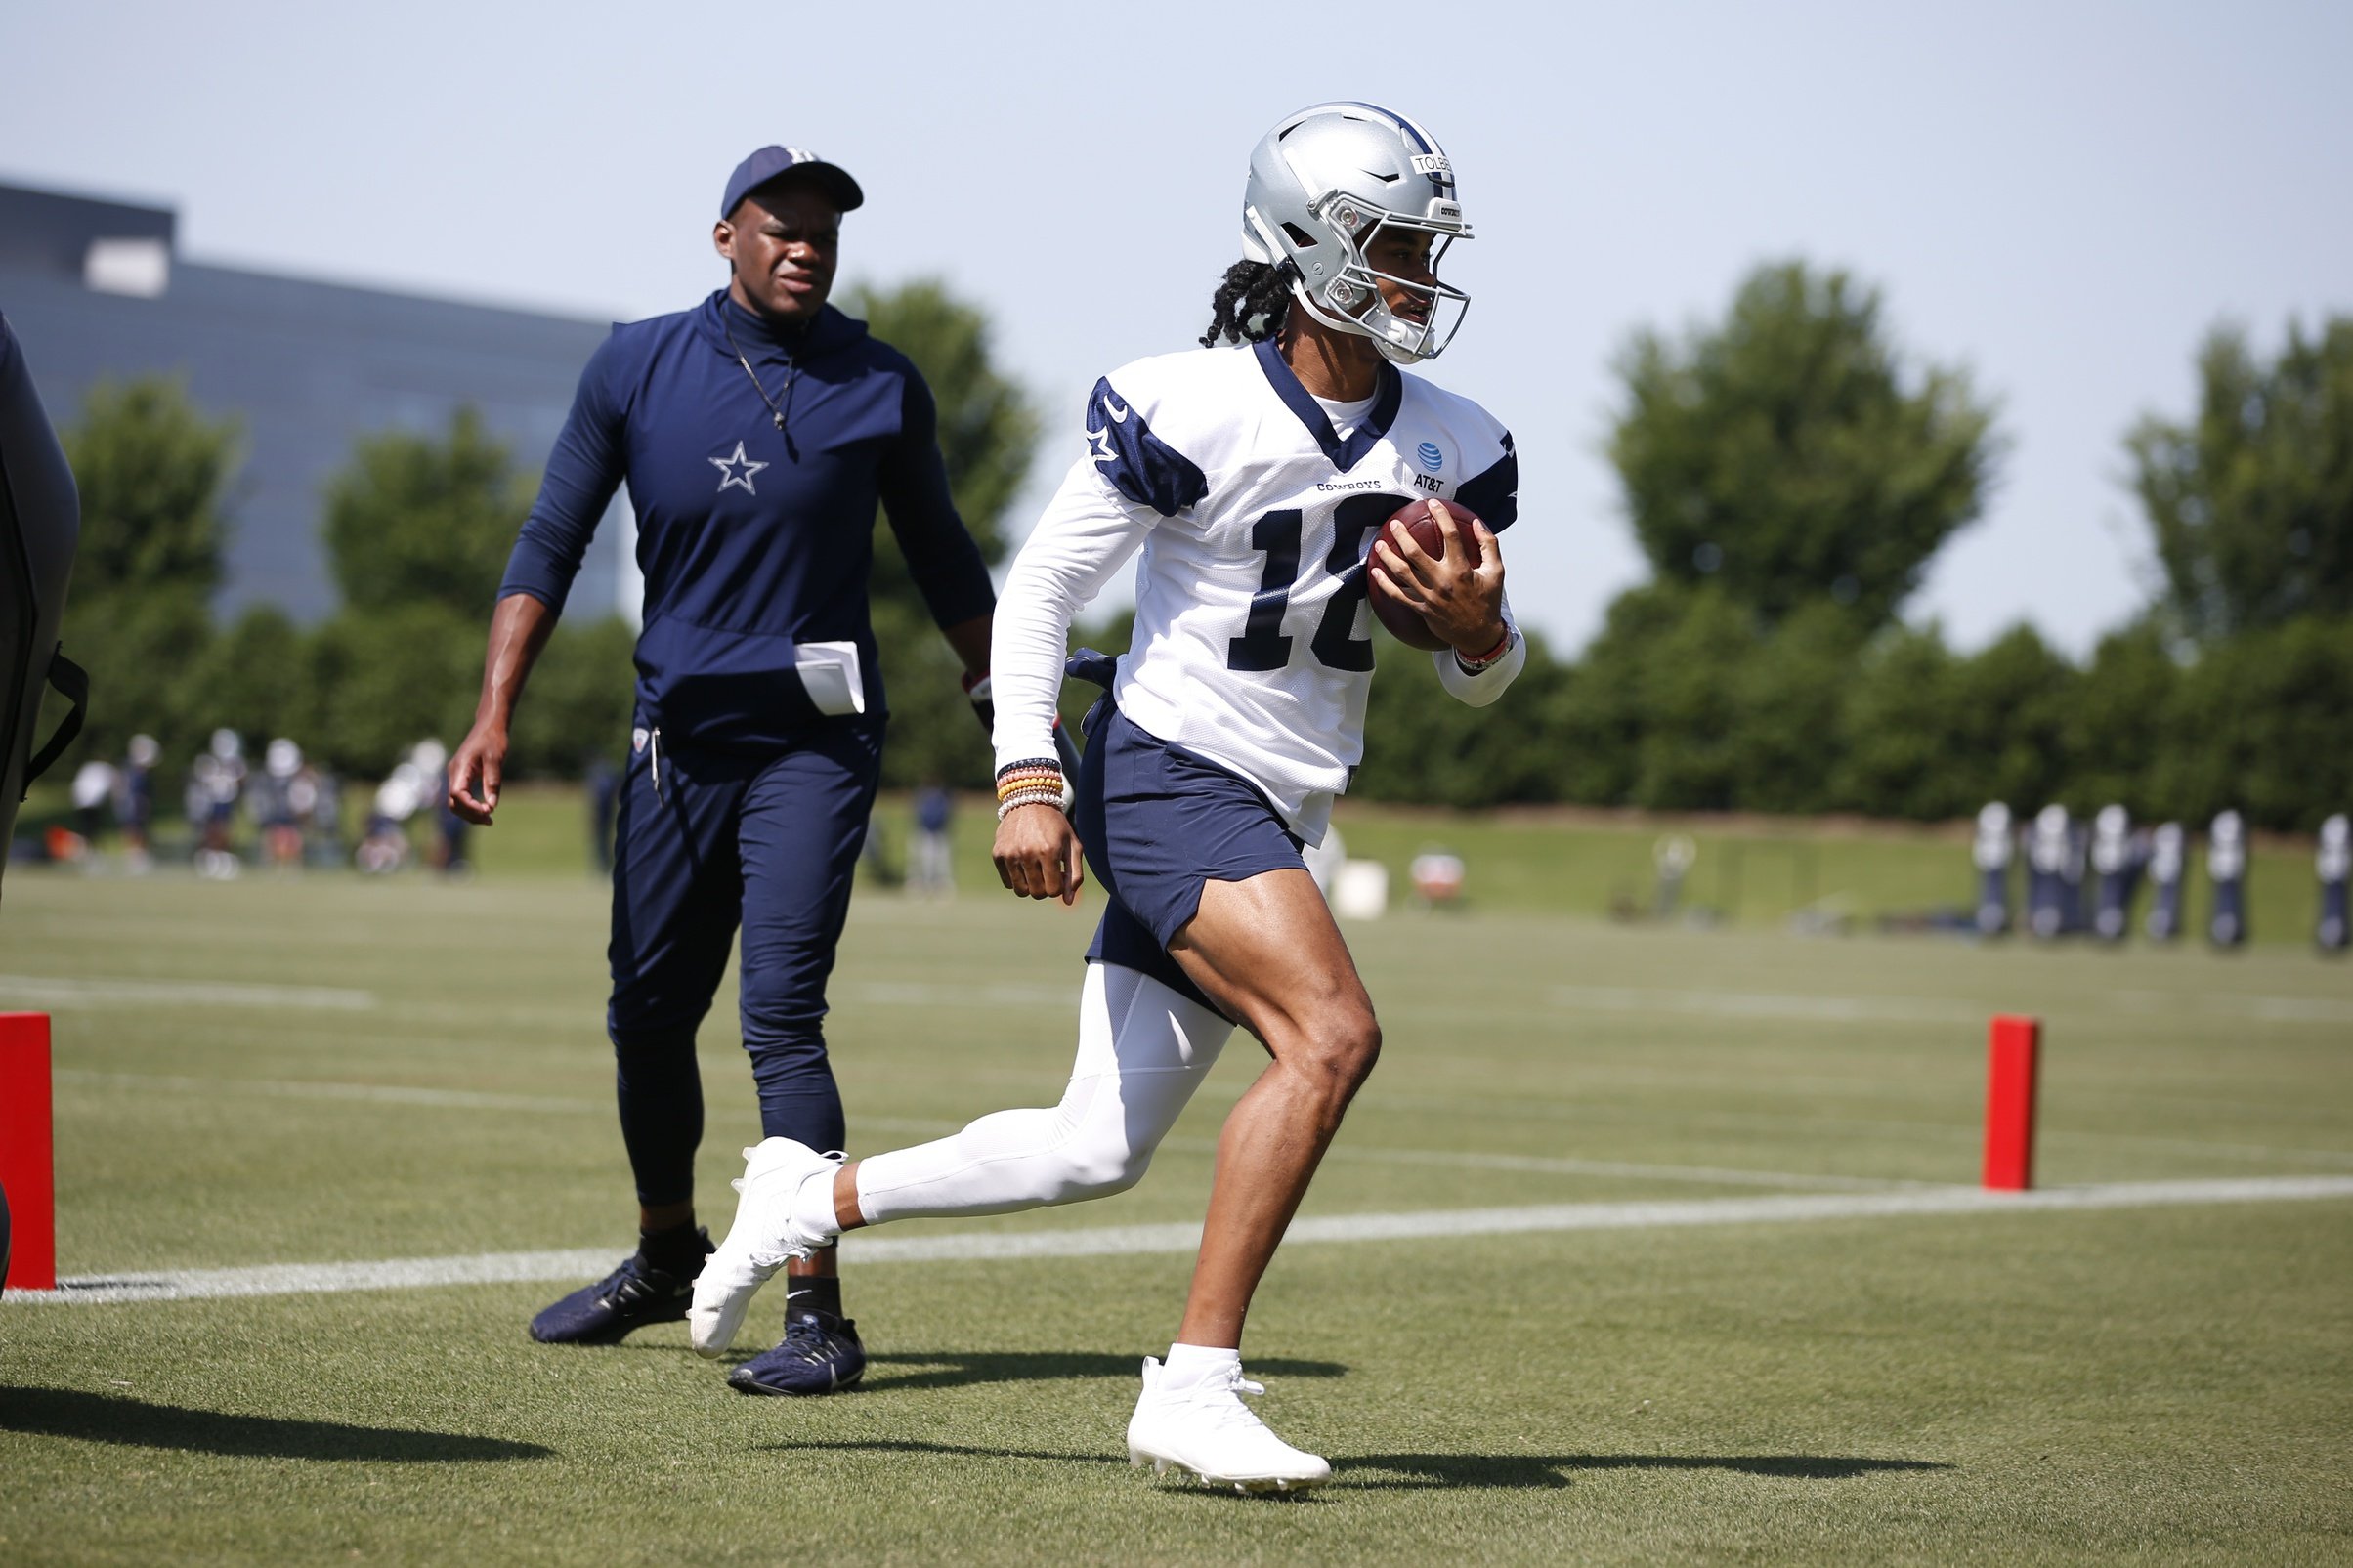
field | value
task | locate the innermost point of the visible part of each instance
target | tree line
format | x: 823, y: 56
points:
x: 1788, y: 472
x: 1790, y: 478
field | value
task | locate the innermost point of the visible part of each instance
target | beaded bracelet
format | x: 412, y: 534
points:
x: 1026, y: 770
x: 1048, y: 793
x: 1031, y: 781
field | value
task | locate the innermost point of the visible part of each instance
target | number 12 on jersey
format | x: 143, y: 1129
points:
x: 1263, y: 645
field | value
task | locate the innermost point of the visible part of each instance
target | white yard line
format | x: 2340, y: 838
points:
x: 499, y: 1268
x: 44, y: 991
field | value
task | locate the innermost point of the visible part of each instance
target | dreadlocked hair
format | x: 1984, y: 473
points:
x: 1249, y: 305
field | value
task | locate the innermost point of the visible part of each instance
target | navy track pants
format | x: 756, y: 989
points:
x: 769, y: 843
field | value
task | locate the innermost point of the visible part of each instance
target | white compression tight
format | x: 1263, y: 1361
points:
x: 1142, y: 1051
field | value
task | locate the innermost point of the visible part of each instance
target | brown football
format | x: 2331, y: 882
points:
x: 1402, y: 620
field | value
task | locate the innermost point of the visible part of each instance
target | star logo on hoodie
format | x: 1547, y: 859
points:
x: 736, y: 470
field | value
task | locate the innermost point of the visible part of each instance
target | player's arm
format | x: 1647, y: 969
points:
x: 582, y: 473
x: 1087, y: 532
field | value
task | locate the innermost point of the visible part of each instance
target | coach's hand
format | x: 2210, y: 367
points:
x: 475, y: 771
x: 1038, y: 854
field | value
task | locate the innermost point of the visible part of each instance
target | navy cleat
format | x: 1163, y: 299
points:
x: 629, y: 1297
x: 820, y: 1355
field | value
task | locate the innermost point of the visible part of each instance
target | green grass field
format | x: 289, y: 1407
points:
x: 329, y: 1070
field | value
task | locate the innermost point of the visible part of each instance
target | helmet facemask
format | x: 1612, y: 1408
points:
x: 1348, y: 296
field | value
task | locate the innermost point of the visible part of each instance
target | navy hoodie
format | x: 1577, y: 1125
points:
x: 751, y: 539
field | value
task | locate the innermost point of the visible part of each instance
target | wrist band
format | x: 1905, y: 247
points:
x: 1474, y: 663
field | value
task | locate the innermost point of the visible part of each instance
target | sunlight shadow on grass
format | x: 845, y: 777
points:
x: 902, y: 1445
x: 1411, y: 1472
x: 137, y: 1423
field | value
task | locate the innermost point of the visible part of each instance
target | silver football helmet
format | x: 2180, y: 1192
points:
x: 1322, y: 184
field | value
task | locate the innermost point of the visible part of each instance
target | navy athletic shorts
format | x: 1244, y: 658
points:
x: 1158, y: 821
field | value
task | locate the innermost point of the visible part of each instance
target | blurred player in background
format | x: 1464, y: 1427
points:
x: 220, y: 773
x: 92, y: 795
x: 135, y: 802
x: 450, y: 828
x: 276, y: 807
x: 602, y: 785
x: 2226, y: 871
x: 2168, y: 860
x: 2333, y: 861
x: 757, y: 432
x: 931, y: 866
x: 1252, y: 478
x: 384, y: 845
x: 1990, y: 851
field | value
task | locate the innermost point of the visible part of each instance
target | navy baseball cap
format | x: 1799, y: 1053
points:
x: 771, y: 161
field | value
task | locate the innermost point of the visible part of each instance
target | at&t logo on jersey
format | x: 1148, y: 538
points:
x: 1432, y: 457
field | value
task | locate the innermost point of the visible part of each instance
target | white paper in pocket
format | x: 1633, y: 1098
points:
x: 828, y: 674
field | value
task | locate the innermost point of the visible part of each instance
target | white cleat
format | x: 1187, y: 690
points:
x: 762, y: 1239
x: 1208, y: 1430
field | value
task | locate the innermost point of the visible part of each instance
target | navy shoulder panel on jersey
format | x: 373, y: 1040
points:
x: 1144, y: 467
x: 1494, y: 494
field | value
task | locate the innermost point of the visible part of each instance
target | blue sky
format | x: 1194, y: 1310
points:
x: 2061, y: 197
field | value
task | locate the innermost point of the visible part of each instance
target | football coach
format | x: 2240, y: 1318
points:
x: 757, y: 433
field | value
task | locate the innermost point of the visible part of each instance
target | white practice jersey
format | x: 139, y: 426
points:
x: 1253, y: 641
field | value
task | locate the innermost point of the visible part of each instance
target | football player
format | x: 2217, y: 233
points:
x: 1254, y: 480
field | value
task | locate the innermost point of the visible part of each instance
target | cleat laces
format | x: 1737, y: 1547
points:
x: 613, y: 1285
x: 807, y: 1338
x: 627, y: 1285
x: 1223, y: 1400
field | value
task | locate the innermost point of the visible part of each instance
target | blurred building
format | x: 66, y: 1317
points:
x: 97, y: 289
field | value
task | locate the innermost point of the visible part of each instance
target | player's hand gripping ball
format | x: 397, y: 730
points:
x: 1404, y: 622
